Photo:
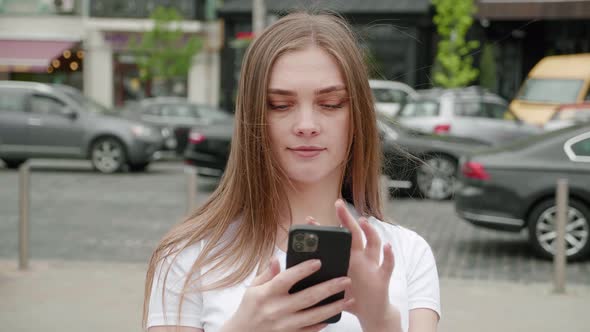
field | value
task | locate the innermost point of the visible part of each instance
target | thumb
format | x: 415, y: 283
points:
x: 271, y: 271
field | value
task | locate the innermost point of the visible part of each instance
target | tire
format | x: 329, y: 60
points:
x: 138, y: 167
x: 108, y: 155
x: 541, y: 224
x: 436, y: 177
x: 13, y: 163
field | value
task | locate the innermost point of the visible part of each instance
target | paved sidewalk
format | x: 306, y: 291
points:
x: 76, y: 296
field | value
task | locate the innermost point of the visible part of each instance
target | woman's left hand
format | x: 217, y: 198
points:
x: 370, y: 278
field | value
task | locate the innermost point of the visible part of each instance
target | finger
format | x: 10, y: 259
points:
x: 271, y: 271
x: 388, y: 260
x: 348, y: 221
x: 319, y: 314
x: 285, y: 280
x: 314, y: 328
x: 312, y: 295
x: 311, y: 221
x: 373, y: 248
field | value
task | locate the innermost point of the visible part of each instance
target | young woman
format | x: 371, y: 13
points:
x: 305, y: 149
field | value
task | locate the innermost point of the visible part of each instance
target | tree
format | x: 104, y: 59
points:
x: 454, y: 62
x: 165, y: 52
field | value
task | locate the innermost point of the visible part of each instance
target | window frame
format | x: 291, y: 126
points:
x: 567, y: 147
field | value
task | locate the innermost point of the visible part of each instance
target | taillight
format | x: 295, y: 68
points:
x: 196, y: 138
x: 442, y: 129
x: 474, y: 170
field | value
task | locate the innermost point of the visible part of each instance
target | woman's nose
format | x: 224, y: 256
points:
x: 307, y: 124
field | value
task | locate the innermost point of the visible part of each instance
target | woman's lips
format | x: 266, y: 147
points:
x: 307, y: 152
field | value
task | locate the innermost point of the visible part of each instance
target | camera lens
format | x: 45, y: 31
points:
x: 299, y: 237
x: 311, y: 241
x: 298, y: 246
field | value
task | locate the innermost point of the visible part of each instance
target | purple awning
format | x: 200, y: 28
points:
x: 30, y: 55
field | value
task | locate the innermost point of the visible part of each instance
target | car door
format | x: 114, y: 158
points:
x: 467, y: 120
x: 53, y: 131
x: 14, y: 140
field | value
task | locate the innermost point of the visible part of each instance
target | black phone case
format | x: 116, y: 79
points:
x: 333, y: 251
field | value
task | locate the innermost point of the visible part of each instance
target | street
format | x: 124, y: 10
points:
x: 80, y: 215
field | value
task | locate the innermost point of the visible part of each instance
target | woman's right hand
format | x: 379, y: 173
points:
x: 267, y: 305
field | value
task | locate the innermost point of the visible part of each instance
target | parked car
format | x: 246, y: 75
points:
x: 430, y: 169
x: 555, y: 80
x: 569, y: 115
x: 512, y: 188
x: 390, y: 96
x: 467, y: 112
x: 39, y: 120
x: 174, y: 116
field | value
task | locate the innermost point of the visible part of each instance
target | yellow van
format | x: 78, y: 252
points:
x: 555, y: 80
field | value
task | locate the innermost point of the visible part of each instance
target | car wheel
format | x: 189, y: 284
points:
x: 436, y: 177
x: 138, y: 167
x: 107, y: 155
x: 542, y: 231
x: 13, y: 163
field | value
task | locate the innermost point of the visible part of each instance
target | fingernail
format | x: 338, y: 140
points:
x: 315, y: 264
x: 349, y: 302
x: 344, y: 281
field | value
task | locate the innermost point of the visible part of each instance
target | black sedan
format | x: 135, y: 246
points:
x: 513, y: 188
x: 422, y: 164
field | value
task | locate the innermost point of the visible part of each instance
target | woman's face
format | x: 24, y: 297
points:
x: 309, y: 115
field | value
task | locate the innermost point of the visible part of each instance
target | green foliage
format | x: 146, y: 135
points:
x: 488, y: 78
x: 455, y: 64
x: 165, y: 52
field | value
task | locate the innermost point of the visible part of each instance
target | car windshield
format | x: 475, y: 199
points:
x: 421, y: 108
x: 88, y: 104
x: 551, y: 90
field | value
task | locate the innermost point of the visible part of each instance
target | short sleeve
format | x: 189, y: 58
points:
x: 422, y: 276
x: 166, y: 294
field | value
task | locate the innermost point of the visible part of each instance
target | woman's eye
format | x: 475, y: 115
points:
x: 277, y: 107
x: 332, y: 106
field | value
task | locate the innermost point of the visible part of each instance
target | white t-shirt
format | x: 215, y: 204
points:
x: 414, y: 284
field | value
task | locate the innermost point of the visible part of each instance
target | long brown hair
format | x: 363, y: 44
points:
x: 251, y: 187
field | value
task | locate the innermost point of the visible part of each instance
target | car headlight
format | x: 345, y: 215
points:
x: 141, y: 131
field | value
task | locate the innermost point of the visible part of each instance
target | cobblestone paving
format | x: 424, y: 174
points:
x: 77, y: 214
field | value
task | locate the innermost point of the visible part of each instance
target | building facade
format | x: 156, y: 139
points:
x: 85, y: 43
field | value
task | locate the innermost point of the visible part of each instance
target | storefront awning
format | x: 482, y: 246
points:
x: 533, y: 9
x: 30, y: 55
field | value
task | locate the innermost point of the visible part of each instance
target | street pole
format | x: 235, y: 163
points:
x: 559, y: 258
x: 191, y: 188
x: 23, y: 225
x: 258, y: 16
x: 384, y: 192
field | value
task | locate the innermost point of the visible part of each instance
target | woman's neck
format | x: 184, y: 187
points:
x: 311, y: 199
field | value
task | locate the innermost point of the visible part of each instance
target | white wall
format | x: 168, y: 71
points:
x: 98, y: 68
x: 204, y: 78
x: 41, y: 28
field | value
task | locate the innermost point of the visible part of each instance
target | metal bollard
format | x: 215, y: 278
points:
x: 559, y: 257
x: 191, y: 189
x: 24, y: 208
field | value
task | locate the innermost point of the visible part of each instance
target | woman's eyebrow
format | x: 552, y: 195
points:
x: 329, y: 89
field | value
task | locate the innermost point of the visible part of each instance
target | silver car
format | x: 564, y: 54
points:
x: 467, y: 112
x: 39, y: 120
x: 390, y: 96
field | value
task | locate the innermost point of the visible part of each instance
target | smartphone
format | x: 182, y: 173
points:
x: 329, y: 244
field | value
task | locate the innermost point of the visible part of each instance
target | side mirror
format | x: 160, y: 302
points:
x: 70, y: 113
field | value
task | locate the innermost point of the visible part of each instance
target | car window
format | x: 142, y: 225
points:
x: 153, y: 110
x: 587, y: 98
x: 44, y: 104
x: 469, y: 109
x: 582, y: 148
x: 420, y: 109
x: 389, y: 95
x: 551, y: 90
x: 12, y: 100
x: 498, y: 111
x: 180, y: 110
